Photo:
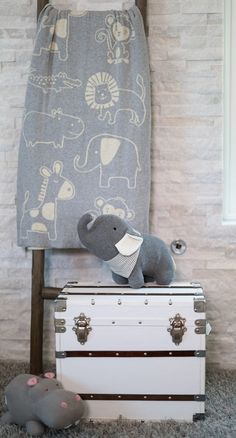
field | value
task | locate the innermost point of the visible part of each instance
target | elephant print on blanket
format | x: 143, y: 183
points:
x: 42, y: 218
x: 85, y: 138
x: 115, y: 157
x: 117, y: 34
x: 60, y: 33
x: 102, y: 94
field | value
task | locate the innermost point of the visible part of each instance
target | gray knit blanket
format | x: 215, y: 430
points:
x: 85, y: 141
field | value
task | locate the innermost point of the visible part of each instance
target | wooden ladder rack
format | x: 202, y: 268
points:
x: 39, y: 292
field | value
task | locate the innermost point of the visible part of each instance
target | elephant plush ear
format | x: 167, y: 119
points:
x: 129, y: 244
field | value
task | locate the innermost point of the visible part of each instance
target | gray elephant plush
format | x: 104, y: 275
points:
x: 37, y: 401
x: 133, y: 258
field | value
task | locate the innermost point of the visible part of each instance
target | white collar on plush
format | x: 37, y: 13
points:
x: 129, y: 244
x: 123, y: 265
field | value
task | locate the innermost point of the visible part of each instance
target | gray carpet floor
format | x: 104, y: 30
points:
x: 220, y: 419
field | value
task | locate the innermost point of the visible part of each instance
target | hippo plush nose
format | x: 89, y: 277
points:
x: 59, y: 409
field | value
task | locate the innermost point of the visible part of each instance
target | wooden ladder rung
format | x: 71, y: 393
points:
x: 50, y: 293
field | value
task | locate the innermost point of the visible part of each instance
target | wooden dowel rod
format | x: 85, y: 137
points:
x: 37, y: 302
x: 37, y: 308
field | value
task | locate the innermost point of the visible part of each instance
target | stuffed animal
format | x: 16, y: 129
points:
x: 37, y: 401
x: 133, y: 258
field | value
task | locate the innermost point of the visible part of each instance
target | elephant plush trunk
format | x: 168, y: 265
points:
x: 84, y: 232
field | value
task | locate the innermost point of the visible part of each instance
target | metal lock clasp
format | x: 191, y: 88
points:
x: 177, y: 328
x: 82, y: 328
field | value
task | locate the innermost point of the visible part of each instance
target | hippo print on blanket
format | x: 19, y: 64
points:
x: 51, y: 129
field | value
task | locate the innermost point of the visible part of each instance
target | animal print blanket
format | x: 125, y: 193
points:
x: 85, y: 142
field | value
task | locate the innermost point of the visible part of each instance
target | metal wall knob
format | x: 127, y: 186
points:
x: 178, y: 247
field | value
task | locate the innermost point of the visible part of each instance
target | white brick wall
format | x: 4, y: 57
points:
x: 186, y: 50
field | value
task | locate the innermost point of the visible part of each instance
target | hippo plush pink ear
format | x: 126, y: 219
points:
x: 32, y: 381
x: 49, y: 375
x: 77, y: 397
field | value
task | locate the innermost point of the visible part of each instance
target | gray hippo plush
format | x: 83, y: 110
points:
x: 133, y: 258
x: 37, y: 401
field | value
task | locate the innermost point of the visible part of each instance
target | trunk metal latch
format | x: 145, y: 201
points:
x: 82, y: 328
x: 177, y: 328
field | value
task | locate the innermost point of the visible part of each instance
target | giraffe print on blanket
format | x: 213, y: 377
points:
x: 42, y: 218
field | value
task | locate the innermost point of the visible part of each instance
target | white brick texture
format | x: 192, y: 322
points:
x: 186, y: 55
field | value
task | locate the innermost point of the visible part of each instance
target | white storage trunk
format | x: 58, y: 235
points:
x: 135, y: 353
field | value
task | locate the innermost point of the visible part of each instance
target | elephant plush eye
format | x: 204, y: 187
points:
x: 114, y: 228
